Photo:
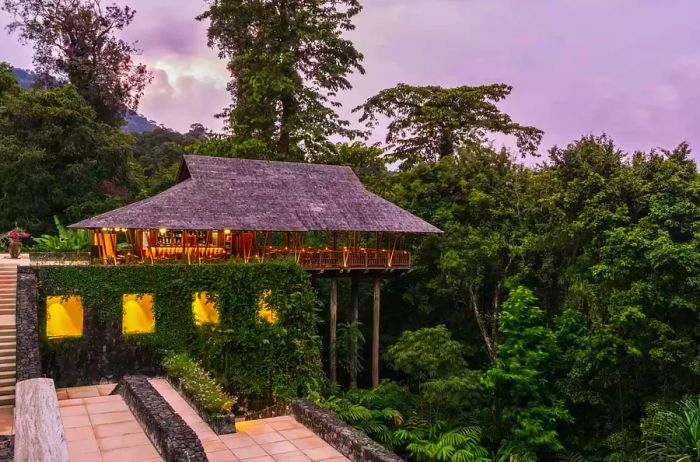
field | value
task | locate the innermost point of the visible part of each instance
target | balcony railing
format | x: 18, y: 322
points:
x: 310, y: 258
x: 320, y: 259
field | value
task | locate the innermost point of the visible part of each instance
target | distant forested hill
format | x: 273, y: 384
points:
x: 135, y: 123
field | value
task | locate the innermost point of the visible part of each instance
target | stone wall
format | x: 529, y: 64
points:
x: 352, y: 443
x: 28, y: 357
x: 173, y: 438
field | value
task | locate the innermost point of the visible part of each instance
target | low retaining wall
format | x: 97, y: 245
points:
x: 352, y: 443
x: 173, y: 438
x: 28, y: 357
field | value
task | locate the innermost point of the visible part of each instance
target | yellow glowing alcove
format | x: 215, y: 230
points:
x: 266, y: 313
x: 204, y: 309
x: 64, y: 316
x: 137, y: 314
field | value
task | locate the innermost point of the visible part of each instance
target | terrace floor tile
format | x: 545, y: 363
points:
x: 94, y: 434
x: 322, y: 453
x: 221, y: 456
x: 279, y: 447
x: 293, y: 456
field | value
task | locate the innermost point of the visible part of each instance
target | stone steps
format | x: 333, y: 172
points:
x: 8, y: 336
x: 7, y: 366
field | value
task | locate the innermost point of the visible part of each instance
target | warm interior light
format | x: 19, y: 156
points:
x: 162, y: 230
x: 204, y: 309
x: 64, y: 316
x: 137, y: 314
x: 104, y: 229
x: 227, y: 231
x: 266, y: 313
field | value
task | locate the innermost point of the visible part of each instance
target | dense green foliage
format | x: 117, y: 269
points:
x: 197, y: 384
x: 606, y: 244
x: 56, y: 158
x: 244, y: 354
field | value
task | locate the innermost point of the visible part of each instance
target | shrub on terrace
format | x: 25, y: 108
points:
x: 198, y: 385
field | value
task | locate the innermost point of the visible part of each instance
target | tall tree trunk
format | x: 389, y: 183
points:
x: 487, y: 333
x: 446, y: 145
x: 354, y: 315
x: 284, y: 141
x: 332, y: 347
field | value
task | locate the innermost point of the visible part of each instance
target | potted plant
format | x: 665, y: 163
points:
x: 14, y: 241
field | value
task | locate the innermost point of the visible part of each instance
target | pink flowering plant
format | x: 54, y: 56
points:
x: 17, y: 234
x: 14, y: 235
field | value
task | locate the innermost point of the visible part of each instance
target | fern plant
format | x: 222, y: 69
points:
x: 378, y: 424
x: 437, y: 442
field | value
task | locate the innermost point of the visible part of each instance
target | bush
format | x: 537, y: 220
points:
x: 206, y: 393
x: 672, y: 434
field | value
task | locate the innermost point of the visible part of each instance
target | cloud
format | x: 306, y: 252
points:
x: 630, y: 68
x: 177, y: 103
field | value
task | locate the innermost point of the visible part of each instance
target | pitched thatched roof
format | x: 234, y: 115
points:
x: 254, y: 195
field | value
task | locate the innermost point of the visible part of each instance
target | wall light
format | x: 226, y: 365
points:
x: 227, y: 231
x: 162, y: 230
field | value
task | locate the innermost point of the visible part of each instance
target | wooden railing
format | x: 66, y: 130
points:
x: 312, y: 259
x: 319, y: 259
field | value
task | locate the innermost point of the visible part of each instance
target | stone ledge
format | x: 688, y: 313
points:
x: 27, y: 353
x: 173, y: 438
x: 350, y: 442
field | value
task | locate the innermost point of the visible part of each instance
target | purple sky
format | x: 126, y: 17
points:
x: 630, y: 68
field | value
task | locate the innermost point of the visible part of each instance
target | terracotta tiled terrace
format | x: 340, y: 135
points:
x: 278, y: 439
x: 99, y: 427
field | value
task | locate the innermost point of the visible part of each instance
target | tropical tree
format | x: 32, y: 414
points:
x: 75, y: 40
x: 56, y: 158
x: 478, y: 197
x: 288, y: 59
x: 526, y: 407
x: 427, y: 353
x: 429, y: 123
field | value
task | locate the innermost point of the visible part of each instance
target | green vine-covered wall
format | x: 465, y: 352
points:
x: 247, y: 354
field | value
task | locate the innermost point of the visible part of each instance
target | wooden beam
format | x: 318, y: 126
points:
x: 375, y: 330
x: 354, y: 315
x: 332, y: 346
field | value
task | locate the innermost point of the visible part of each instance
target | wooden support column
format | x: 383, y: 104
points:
x: 375, y: 330
x: 332, y: 348
x: 354, y: 315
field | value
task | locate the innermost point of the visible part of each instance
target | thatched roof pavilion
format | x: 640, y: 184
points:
x: 240, y: 194
x: 223, y: 207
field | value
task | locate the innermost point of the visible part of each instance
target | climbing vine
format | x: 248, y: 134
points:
x: 263, y: 359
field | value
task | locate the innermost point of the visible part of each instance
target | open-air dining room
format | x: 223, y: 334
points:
x: 321, y: 216
x: 343, y: 251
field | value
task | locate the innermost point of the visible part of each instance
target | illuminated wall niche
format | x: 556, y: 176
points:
x: 64, y: 316
x: 204, y: 309
x: 266, y: 313
x: 137, y: 314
